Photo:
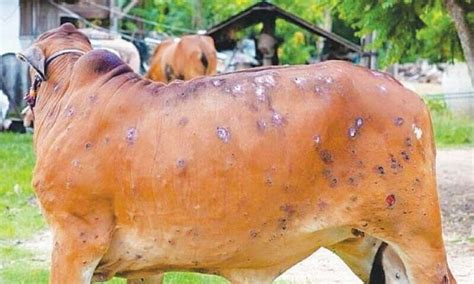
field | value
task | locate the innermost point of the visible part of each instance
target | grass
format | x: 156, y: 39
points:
x: 20, y: 217
x: 453, y: 131
x: 450, y: 130
x: 19, y: 214
x: 19, y: 266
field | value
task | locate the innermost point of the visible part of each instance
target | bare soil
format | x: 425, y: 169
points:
x: 455, y: 172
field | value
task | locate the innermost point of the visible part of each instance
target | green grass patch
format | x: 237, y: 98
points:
x: 19, y: 215
x: 19, y: 266
x: 450, y: 130
x: 192, y: 278
x: 453, y: 131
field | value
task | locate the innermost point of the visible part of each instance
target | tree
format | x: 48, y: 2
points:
x: 458, y: 10
x: 177, y: 17
x: 410, y: 29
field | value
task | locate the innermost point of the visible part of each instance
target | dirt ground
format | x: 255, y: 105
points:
x: 455, y: 171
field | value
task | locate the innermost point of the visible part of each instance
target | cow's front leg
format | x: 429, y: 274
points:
x: 415, y: 237
x: 79, y: 244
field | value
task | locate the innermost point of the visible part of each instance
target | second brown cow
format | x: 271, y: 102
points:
x: 183, y: 59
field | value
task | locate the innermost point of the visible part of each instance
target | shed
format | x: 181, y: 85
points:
x: 267, y: 13
x: 39, y: 16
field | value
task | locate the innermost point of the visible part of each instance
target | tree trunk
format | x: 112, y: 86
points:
x: 465, y: 33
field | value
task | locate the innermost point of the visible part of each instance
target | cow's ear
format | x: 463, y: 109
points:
x: 34, y: 56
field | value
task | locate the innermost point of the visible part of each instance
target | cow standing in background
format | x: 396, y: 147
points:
x: 185, y: 58
x: 14, y: 80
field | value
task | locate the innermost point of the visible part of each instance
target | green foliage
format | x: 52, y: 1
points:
x: 405, y: 29
x: 296, y: 49
x: 439, y: 36
x: 298, y: 45
x: 218, y: 11
x: 176, y: 13
x: 437, y: 106
x: 175, y: 18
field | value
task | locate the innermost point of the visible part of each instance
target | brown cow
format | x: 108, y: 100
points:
x: 185, y: 58
x: 241, y: 175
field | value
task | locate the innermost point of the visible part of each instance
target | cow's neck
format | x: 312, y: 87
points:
x: 51, y: 95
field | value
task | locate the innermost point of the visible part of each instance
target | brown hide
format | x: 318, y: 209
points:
x: 241, y: 175
x: 186, y: 58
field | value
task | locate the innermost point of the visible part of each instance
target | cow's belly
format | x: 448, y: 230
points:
x: 220, y: 224
x: 180, y: 249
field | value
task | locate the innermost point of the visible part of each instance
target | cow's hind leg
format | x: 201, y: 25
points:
x: 424, y: 260
x: 412, y: 227
x: 358, y: 254
x: 372, y: 260
x: 79, y: 244
x: 388, y: 266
